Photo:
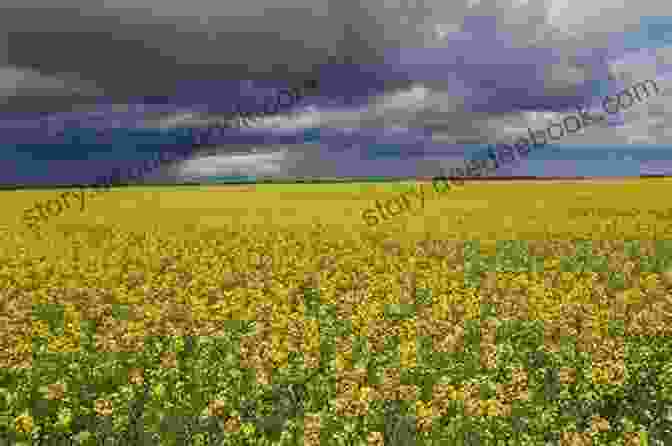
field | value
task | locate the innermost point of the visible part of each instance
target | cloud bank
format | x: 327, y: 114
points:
x: 432, y: 76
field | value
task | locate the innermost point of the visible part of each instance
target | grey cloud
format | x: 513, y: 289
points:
x: 127, y: 48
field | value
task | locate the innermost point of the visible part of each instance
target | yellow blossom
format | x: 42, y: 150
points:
x: 24, y: 423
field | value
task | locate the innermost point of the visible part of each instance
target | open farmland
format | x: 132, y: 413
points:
x: 501, y: 313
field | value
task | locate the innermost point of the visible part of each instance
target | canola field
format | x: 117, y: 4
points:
x: 500, y: 314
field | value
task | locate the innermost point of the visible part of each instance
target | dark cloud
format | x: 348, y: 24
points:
x: 159, y: 50
x: 495, y: 63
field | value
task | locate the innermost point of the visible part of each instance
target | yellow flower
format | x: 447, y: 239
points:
x: 365, y: 393
x: 492, y: 408
x: 280, y: 357
x: 41, y: 328
x: 600, y: 375
x: 458, y: 393
x: 24, y: 423
x: 423, y: 409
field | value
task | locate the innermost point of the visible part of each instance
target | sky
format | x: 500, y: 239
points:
x: 405, y: 88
